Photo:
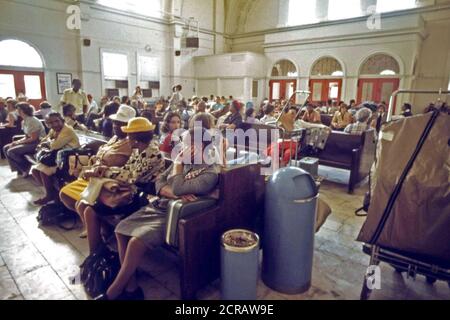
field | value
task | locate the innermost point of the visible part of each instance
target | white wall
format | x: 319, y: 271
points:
x: 43, y: 24
x: 351, y: 44
x: 230, y: 74
x: 433, y: 67
x: 419, y: 37
x: 226, y: 26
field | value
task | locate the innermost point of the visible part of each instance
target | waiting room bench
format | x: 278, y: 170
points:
x: 351, y: 152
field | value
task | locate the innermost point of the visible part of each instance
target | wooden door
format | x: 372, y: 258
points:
x: 30, y: 83
x: 377, y: 90
x: 325, y: 89
x: 281, y: 89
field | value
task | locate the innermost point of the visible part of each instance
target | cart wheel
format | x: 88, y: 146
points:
x: 431, y: 280
x: 365, y: 291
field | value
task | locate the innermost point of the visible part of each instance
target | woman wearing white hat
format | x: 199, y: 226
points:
x: 115, y: 153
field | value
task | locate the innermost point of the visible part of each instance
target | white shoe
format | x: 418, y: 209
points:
x: 83, y: 234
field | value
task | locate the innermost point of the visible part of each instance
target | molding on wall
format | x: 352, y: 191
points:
x: 172, y: 21
x: 362, y: 36
x: 339, y: 22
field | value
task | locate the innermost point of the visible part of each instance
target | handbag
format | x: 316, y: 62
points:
x: 56, y: 214
x: 47, y: 157
x: 76, y: 164
x: 72, y: 161
x: 115, y: 195
x: 99, y: 270
x: 107, y: 191
x: 93, y: 190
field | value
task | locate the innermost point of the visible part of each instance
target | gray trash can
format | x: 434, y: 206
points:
x: 239, y: 265
x: 288, y: 242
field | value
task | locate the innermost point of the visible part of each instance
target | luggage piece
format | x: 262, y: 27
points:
x: 419, y: 220
x: 310, y: 165
x: 99, y: 270
x: 177, y: 210
x: 57, y: 214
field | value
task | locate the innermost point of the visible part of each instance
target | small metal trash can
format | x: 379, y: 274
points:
x: 239, y: 265
x: 289, y: 226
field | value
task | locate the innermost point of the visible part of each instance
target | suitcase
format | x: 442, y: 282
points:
x: 310, y: 165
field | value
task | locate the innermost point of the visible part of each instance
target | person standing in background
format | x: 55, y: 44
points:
x: 176, y: 97
x: 381, y: 117
x: 78, y: 98
x: 138, y: 95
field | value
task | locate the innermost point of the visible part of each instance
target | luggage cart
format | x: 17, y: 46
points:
x: 411, y: 263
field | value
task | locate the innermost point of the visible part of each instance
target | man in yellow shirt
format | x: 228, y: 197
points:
x: 76, y: 97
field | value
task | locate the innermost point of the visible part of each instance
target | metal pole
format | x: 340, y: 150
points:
x: 400, y: 91
x: 301, y: 92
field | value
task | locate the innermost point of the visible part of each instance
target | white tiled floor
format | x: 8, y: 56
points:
x: 36, y: 263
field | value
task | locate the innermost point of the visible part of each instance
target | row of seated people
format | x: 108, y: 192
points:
x: 340, y: 120
x: 131, y: 158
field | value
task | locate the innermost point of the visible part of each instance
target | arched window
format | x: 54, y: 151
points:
x: 19, y: 54
x: 284, y: 68
x: 380, y: 64
x: 327, y: 66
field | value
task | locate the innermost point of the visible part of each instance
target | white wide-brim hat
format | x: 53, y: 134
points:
x: 124, y: 114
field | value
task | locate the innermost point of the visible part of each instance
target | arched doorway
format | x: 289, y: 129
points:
x: 378, y: 78
x: 326, y: 80
x: 283, y: 81
x: 21, y: 71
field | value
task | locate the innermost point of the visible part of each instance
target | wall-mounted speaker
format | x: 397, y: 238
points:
x: 87, y: 42
x: 192, y: 42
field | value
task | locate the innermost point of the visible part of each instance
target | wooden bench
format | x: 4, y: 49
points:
x: 241, y: 202
x: 351, y: 152
x: 326, y: 119
x: 240, y: 205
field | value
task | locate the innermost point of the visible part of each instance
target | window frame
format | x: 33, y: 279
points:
x: 102, y: 63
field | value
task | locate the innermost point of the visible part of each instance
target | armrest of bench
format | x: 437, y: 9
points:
x: 177, y: 210
x: 18, y: 137
x: 199, y: 250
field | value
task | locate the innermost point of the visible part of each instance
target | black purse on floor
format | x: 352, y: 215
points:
x: 99, y: 270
